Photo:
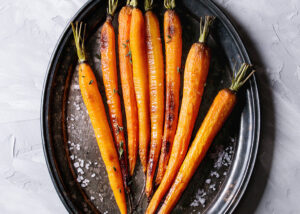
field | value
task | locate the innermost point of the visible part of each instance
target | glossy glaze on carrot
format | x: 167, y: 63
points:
x: 219, y: 111
x: 125, y: 63
x: 217, y: 114
x: 173, y: 52
x: 140, y: 79
x: 156, y: 91
x: 95, y: 107
x: 195, y: 73
x: 93, y: 102
x: 110, y: 80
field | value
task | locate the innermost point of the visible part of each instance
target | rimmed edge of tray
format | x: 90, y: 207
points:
x: 47, y: 88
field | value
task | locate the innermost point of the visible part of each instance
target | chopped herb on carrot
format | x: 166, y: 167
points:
x: 121, y: 150
x: 98, y: 56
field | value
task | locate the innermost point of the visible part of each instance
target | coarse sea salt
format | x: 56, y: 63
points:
x: 199, y: 199
x: 100, y: 197
x: 81, y: 162
x: 213, y: 187
x: 79, y: 170
x: 79, y: 178
x: 214, y: 174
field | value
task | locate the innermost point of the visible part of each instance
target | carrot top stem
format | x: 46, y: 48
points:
x: 148, y: 5
x: 169, y: 4
x: 241, y: 77
x: 204, y: 29
x: 112, y: 6
x: 128, y: 2
x: 79, y: 40
x: 133, y: 3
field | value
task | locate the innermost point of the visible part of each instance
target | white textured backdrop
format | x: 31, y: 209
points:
x: 29, y: 32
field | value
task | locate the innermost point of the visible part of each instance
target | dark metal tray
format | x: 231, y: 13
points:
x: 70, y: 147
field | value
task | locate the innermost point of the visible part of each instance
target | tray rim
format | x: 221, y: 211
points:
x: 44, y: 108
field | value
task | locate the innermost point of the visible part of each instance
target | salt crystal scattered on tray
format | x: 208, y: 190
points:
x: 200, y: 198
x: 208, y: 181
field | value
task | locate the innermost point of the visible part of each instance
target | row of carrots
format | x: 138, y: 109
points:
x: 154, y: 130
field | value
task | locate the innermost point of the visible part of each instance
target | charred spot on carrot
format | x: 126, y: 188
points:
x: 103, y: 41
x: 168, y: 145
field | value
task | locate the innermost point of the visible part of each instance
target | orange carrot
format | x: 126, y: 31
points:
x: 173, y: 48
x: 195, y: 73
x: 156, y: 89
x: 140, y: 79
x: 110, y: 80
x: 128, y: 86
x: 93, y: 102
x: 217, y: 114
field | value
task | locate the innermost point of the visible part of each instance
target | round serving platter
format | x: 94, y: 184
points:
x: 71, y: 151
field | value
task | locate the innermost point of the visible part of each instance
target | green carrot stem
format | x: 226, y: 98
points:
x: 148, y: 5
x: 241, y: 77
x: 204, y: 29
x: 133, y: 3
x: 112, y: 6
x: 79, y: 40
x: 169, y: 4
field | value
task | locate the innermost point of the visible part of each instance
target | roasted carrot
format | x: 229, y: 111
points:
x: 93, y: 102
x: 110, y: 80
x: 128, y: 86
x: 156, y: 91
x: 195, y: 73
x: 217, y: 114
x: 140, y: 79
x: 173, y: 51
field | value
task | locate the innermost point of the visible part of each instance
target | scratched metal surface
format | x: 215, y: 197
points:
x: 74, y: 159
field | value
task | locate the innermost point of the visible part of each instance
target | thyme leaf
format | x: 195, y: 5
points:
x: 98, y: 56
x: 121, y: 150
